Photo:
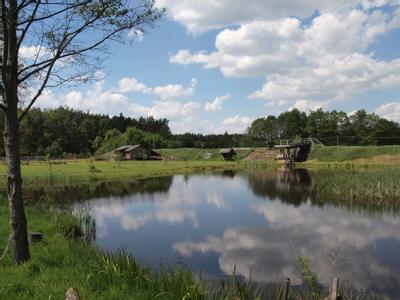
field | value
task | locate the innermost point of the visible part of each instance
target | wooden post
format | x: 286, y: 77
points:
x: 72, y: 294
x: 334, y: 291
x: 285, y: 289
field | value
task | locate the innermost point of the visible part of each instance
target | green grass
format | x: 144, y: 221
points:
x: 74, y: 171
x: 376, y: 189
x: 348, y: 153
x: 196, y: 154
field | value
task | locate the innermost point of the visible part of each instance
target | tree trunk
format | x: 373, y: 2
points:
x: 18, y: 224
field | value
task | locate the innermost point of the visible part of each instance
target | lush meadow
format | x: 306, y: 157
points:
x: 83, y: 170
x: 360, y: 155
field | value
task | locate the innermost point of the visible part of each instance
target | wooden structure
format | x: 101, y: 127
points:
x: 228, y: 153
x: 291, y: 151
x: 137, y: 152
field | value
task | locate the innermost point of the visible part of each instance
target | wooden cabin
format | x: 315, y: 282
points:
x: 228, y: 153
x: 137, y: 152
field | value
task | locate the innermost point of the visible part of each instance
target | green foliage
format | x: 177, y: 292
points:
x: 311, y: 280
x: 67, y: 226
x: 113, y: 139
x: 330, y: 127
x: 66, y: 130
x: 93, y: 169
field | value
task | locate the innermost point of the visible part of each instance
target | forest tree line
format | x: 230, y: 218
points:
x: 329, y: 127
x: 63, y: 131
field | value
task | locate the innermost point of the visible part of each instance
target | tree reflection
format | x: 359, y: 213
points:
x: 81, y: 192
x: 288, y: 185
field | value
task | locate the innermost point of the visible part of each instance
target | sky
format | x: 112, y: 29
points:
x: 212, y: 66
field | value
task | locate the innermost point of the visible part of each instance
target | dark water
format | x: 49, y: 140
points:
x: 258, y: 223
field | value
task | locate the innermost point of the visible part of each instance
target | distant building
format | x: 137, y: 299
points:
x: 137, y: 152
x: 228, y: 153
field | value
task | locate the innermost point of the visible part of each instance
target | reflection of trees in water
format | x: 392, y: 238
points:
x: 71, y: 193
x: 320, y: 187
x: 290, y: 186
x: 229, y: 173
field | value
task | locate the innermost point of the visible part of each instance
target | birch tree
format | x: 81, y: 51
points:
x: 45, y: 44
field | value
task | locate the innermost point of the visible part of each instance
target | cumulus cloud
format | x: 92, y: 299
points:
x: 132, y: 85
x: 305, y: 65
x: 169, y: 91
x: 170, y: 102
x: 200, y: 16
x: 268, y: 252
x: 235, y: 124
x: 389, y: 111
x: 30, y: 52
x: 175, y: 90
x: 217, y: 104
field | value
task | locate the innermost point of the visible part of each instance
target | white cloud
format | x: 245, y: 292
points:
x: 114, y: 101
x: 136, y: 34
x: 268, y: 252
x: 171, y: 103
x: 169, y: 91
x: 131, y: 85
x: 216, y: 105
x: 389, y: 111
x: 200, y: 16
x: 28, y: 51
x: 175, y: 90
x: 235, y: 124
x: 318, y: 63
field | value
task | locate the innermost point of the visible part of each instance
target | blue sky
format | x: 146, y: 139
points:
x: 214, y: 66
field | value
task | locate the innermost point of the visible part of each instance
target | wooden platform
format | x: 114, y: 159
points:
x: 291, y: 151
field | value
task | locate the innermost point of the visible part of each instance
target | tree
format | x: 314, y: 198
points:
x: 264, y: 130
x: 68, y: 39
x: 292, y: 124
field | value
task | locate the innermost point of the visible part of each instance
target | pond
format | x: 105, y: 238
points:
x: 256, y: 223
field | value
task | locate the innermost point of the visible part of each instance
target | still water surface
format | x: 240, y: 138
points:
x: 258, y: 222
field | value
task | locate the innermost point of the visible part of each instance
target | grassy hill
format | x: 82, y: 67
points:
x: 361, y: 154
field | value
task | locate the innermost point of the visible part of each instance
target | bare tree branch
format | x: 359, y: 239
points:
x: 97, y: 18
x: 25, y: 30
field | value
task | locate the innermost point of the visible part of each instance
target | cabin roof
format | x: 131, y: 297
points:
x: 227, y: 150
x: 129, y: 148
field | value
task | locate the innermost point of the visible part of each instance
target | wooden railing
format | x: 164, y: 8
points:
x: 300, y: 141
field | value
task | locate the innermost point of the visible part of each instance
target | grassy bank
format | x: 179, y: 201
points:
x: 74, y: 171
x: 359, y: 155
x: 373, y: 189
x: 196, y: 154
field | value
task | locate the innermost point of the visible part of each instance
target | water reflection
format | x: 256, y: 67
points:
x: 93, y: 190
x: 258, y: 221
x: 287, y: 185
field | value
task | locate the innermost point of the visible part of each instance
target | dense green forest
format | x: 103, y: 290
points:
x: 62, y: 131
x: 330, y: 127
